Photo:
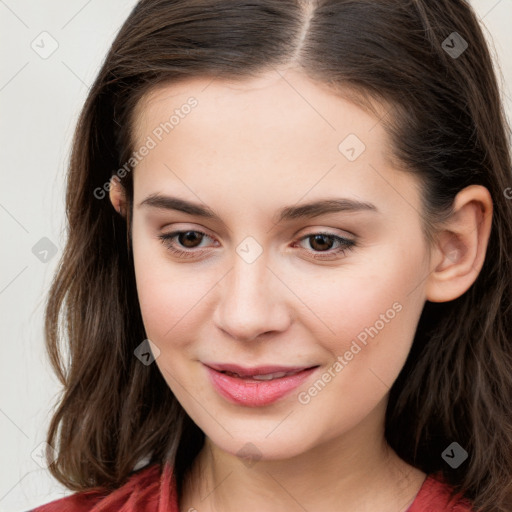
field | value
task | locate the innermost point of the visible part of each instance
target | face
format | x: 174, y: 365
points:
x: 332, y: 292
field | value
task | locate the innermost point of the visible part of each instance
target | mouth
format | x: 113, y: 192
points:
x: 268, y: 372
x: 256, y: 387
x: 265, y: 376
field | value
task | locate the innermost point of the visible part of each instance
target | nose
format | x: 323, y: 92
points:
x: 252, y: 301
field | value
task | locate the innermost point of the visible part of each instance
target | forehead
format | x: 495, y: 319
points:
x: 278, y: 131
x: 268, y: 100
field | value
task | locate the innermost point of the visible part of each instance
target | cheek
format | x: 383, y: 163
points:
x: 369, y: 311
x: 374, y: 314
x: 166, y: 291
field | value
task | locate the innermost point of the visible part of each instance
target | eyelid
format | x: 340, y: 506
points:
x: 346, y: 244
x: 315, y: 230
x: 309, y: 230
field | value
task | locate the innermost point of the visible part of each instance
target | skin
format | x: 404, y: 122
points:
x: 248, y: 149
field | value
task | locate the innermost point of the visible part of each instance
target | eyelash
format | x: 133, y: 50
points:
x: 346, y: 244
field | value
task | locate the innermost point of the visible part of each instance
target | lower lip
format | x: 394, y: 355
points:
x: 253, y: 393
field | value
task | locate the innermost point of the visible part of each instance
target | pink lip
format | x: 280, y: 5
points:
x: 253, y: 393
x: 257, y: 370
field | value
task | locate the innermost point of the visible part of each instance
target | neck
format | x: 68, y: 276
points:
x: 353, y: 472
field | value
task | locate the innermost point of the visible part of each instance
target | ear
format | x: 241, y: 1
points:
x: 459, y: 252
x: 117, y: 196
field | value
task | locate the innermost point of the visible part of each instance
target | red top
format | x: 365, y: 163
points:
x: 151, y: 490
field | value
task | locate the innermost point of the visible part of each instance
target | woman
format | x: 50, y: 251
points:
x: 338, y: 339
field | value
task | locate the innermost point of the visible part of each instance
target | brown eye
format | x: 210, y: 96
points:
x: 185, y: 244
x: 321, y: 242
x: 189, y: 239
x: 327, y: 245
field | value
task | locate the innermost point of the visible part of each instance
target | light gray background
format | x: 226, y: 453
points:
x: 40, y: 99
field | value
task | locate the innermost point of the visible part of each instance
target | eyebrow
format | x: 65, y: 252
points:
x: 288, y: 213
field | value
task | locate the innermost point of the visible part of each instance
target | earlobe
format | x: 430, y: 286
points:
x: 117, y: 196
x: 461, y: 245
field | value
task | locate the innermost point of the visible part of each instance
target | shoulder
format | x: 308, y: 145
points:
x: 148, y: 490
x: 436, y: 495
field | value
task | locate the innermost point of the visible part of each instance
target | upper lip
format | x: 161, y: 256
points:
x: 257, y: 370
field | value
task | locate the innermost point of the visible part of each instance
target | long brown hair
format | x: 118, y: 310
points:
x: 447, y: 126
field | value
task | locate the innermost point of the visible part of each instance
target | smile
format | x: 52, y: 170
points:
x: 258, y: 389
